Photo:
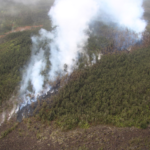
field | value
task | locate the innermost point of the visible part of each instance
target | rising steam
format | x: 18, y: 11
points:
x: 71, y: 20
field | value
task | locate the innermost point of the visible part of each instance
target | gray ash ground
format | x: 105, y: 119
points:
x: 29, y: 110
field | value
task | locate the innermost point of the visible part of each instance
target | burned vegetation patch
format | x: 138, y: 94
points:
x: 34, y: 108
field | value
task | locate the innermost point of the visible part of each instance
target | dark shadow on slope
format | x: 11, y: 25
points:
x: 30, y: 109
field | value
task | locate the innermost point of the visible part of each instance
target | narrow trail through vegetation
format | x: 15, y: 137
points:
x: 19, y: 29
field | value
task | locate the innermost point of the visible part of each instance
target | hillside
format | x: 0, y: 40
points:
x: 114, y: 91
x: 104, y: 104
x: 18, y: 22
x: 100, y: 107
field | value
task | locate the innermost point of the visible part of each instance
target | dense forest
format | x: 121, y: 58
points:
x: 15, y: 50
x: 114, y: 91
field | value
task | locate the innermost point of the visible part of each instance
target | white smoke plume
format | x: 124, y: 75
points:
x: 2, y: 118
x: 37, y: 64
x: 10, y: 111
x: 67, y: 39
x: 71, y: 20
x: 125, y: 13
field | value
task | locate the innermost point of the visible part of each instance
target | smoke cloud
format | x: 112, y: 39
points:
x: 71, y: 20
x: 33, y: 75
x: 124, y: 13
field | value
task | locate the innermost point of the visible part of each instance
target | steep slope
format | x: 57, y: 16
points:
x: 114, y: 91
x: 14, y: 53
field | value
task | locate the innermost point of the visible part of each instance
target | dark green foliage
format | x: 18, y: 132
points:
x: 14, y: 52
x: 114, y: 91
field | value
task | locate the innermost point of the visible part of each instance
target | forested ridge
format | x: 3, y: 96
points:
x: 114, y: 91
x: 15, y: 50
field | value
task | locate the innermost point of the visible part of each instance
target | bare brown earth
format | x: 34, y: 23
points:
x: 31, y: 134
x: 21, y: 29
